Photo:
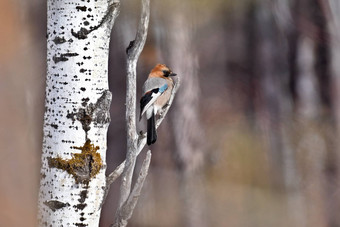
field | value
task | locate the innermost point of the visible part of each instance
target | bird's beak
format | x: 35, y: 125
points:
x: 173, y: 74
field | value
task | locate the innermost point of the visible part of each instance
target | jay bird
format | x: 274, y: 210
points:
x: 156, y: 94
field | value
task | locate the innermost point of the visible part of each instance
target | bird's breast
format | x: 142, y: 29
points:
x: 163, y: 99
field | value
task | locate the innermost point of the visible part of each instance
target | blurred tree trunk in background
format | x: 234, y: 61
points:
x: 331, y: 9
x: 275, y: 40
x: 187, y: 130
x: 281, y: 38
x: 269, y: 63
x: 325, y: 154
x: 307, y: 138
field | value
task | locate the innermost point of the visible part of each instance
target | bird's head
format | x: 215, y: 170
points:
x: 161, y: 70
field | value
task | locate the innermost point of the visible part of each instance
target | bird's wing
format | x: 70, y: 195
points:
x: 150, y: 97
x: 152, y: 83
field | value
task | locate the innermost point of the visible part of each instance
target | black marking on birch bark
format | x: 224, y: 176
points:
x: 82, y: 219
x: 63, y: 57
x: 81, y: 200
x: 81, y: 224
x: 85, y: 101
x: 83, y: 196
x: 54, y: 126
x: 56, y: 205
x: 83, y: 32
x: 59, y: 40
x: 98, y: 113
x: 81, y: 8
x: 80, y: 206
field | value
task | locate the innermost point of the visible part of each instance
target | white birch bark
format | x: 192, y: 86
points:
x: 76, y: 112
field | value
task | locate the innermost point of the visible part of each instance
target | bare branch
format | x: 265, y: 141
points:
x: 132, y: 137
x: 125, y: 213
x: 134, y: 50
x: 135, y: 143
x: 333, y: 12
x: 116, y: 173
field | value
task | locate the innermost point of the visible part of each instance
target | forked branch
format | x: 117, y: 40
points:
x: 126, y: 205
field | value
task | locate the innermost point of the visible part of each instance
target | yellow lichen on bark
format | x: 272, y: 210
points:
x: 82, y: 166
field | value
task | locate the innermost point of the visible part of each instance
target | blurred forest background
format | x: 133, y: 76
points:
x: 252, y: 138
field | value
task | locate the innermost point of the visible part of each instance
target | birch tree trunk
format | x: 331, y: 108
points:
x: 76, y: 112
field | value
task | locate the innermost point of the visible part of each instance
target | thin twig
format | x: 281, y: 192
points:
x: 125, y: 213
x: 132, y: 137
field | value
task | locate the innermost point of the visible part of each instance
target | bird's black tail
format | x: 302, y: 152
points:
x: 152, y: 134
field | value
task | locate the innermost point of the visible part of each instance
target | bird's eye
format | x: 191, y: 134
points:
x: 166, y: 73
